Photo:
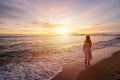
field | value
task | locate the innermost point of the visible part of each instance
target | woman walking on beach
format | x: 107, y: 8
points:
x: 87, y: 51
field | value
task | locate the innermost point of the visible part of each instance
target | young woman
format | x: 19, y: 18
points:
x: 87, y: 51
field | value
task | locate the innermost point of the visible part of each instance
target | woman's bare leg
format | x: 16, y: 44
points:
x: 89, y: 63
x: 86, y: 63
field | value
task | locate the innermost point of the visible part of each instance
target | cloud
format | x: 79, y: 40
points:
x: 103, y: 27
x: 11, y: 31
x: 1, y: 28
x: 98, y: 13
x: 24, y: 10
x: 45, y: 24
x: 6, y: 15
x: 10, y: 9
x: 2, y: 24
x: 109, y: 26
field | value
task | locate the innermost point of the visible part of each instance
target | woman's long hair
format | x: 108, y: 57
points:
x: 88, y: 39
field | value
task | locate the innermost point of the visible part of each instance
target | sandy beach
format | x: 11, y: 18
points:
x: 105, y: 67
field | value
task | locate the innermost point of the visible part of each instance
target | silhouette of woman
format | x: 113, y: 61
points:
x: 87, y: 51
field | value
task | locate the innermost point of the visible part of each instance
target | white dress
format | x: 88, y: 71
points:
x: 87, y: 50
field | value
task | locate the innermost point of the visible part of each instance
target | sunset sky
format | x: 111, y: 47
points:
x: 50, y: 17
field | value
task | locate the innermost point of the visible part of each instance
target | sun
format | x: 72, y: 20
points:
x: 62, y: 31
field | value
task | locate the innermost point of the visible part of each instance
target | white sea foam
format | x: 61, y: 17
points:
x: 38, y: 70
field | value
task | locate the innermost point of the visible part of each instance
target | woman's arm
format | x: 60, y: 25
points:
x: 91, y: 45
x: 83, y: 46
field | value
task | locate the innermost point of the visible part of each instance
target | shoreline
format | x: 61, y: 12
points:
x: 72, y: 70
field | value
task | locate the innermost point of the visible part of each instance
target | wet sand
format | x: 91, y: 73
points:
x: 107, y: 69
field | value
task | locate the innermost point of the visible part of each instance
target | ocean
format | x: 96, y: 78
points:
x: 43, y: 57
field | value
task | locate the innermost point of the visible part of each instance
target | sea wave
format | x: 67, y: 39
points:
x: 102, y: 44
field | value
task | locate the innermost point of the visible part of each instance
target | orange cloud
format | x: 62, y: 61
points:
x: 45, y: 24
x: 104, y: 27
